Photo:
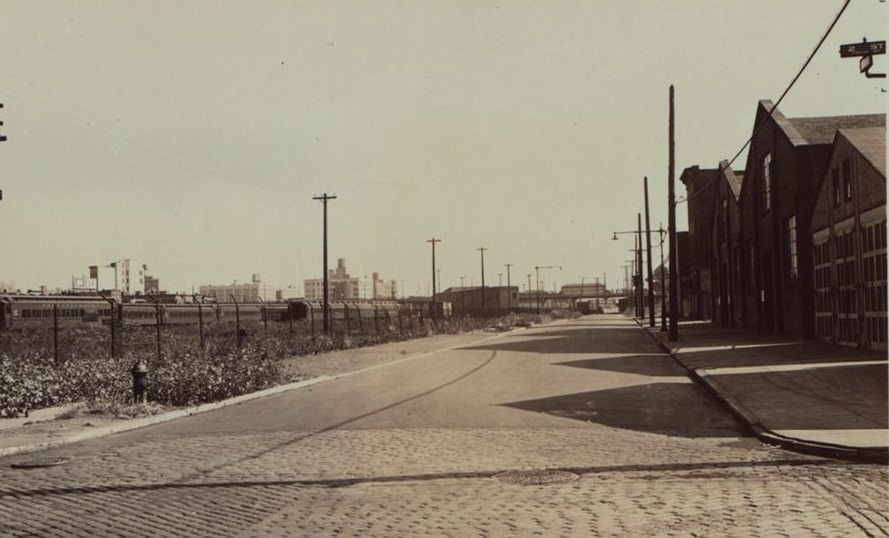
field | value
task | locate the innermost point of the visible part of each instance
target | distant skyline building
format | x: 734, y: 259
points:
x: 129, y: 277
x: 241, y: 293
x: 340, y: 285
x: 384, y: 289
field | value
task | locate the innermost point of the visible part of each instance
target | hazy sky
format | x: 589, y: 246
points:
x: 192, y: 136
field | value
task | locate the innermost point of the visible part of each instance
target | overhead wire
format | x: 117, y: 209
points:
x: 762, y: 123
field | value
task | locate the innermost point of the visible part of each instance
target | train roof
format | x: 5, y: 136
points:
x: 10, y: 298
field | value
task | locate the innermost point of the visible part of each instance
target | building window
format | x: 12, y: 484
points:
x: 847, y: 181
x: 792, y: 255
x: 767, y: 182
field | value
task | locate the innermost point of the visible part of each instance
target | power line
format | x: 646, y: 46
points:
x: 775, y: 106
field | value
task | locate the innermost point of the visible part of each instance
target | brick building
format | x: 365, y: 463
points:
x: 849, y: 237
x: 498, y: 300
x: 786, y: 163
x: 762, y: 255
x: 726, y: 280
x: 700, y: 185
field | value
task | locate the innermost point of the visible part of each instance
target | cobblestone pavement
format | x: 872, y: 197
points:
x: 367, y: 480
x: 440, y: 483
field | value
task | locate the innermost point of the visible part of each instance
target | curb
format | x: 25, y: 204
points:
x: 142, y: 422
x: 765, y: 435
x: 133, y: 424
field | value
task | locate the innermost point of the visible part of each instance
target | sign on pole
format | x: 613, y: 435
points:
x: 865, y: 48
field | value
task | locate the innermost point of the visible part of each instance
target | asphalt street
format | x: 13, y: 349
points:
x: 576, y: 428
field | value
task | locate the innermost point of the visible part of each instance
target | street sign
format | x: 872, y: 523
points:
x: 865, y: 48
x: 866, y: 63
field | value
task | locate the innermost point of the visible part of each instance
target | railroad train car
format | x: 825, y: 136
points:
x: 26, y: 311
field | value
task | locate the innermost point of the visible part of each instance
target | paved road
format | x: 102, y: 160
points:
x: 604, y: 435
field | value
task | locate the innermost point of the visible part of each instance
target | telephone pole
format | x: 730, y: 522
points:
x: 324, y: 199
x: 433, y: 241
x: 482, y: 250
x: 648, y: 248
x: 671, y: 228
x: 508, y: 289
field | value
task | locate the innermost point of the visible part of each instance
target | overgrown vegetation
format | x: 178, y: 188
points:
x: 39, y: 369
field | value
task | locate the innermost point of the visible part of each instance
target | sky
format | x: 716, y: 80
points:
x: 193, y: 136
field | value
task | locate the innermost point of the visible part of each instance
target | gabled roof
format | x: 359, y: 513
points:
x: 870, y: 143
x: 819, y: 130
x: 734, y: 179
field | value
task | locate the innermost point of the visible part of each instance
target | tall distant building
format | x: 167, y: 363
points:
x: 242, y: 293
x: 129, y: 277
x: 340, y: 285
x: 384, y: 289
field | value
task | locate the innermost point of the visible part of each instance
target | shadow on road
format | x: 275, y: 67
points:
x: 624, y: 340
x: 655, y: 365
x: 676, y: 409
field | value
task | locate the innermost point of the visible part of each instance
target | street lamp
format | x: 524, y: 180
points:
x: 637, y: 273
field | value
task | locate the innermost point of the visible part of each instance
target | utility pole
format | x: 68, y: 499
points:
x: 661, y: 233
x: 648, y: 248
x: 482, y: 250
x: 324, y: 199
x: 433, y: 241
x: 508, y: 289
x: 671, y: 228
x: 641, y: 288
x: 2, y: 139
x: 529, y: 293
x: 537, y: 268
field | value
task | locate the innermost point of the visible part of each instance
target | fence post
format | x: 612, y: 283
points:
x: 360, y: 322
x: 312, y: 316
x: 290, y: 316
x: 400, y: 327
x: 265, y: 320
x: 348, y: 322
x: 112, y: 322
x: 376, y: 323
x: 55, y: 334
x: 237, y: 321
x: 201, y: 323
x: 157, y: 314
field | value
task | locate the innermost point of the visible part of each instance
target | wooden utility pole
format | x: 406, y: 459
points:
x: 641, y: 286
x: 671, y: 227
x: 324, y: 199
x: 433, y: 314
x: 508, y: 289
x: 482, y: 250
x: 648, y: 248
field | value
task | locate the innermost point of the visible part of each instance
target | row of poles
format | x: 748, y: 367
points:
x: 673, y: 327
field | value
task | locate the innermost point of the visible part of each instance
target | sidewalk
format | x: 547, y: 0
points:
x: 802, y: 395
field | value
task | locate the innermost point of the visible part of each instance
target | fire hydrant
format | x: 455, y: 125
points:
x: 140, y: 381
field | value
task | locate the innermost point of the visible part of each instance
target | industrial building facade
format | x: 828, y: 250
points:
x: 796, y: 240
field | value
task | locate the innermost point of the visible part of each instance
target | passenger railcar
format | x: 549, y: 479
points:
x: 25, y: 311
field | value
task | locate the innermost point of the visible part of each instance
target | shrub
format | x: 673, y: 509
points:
x: 185, y: 373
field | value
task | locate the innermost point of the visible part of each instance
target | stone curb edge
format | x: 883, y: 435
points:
x: 828, y: 450
x: 142, y: 422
